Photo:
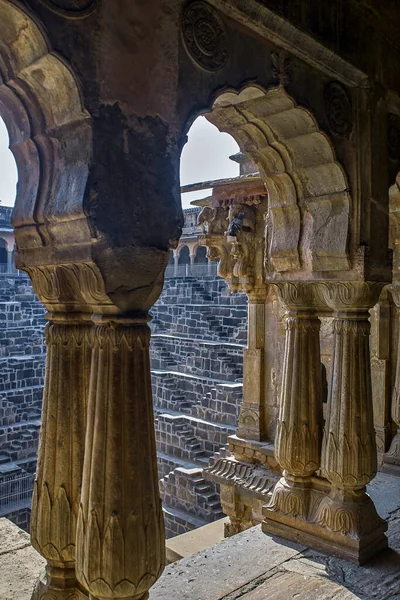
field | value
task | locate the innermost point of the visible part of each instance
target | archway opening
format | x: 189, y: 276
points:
x: 49, y: 136
x: 201, y: 256
x: 184, y: 256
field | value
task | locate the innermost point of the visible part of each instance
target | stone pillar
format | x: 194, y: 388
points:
x: 349, y: 458
x: 10, y: 261
x: 60, y: 463
x: 392, y: 457
x: 176, y: 263
x: 380, y: 372
x: 251, y: 410
x: 120, y: 535
x: 299, y: 429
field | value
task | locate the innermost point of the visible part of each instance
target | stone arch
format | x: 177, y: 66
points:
x: 200, y: 255
x: 307, y: 226
x: 50, y: 134
x: 184, y: 255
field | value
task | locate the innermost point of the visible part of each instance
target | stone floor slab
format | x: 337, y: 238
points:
x: 224, y: 568
x: 293, y: 586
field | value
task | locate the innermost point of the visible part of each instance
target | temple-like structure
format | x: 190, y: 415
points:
x: 98, y: 97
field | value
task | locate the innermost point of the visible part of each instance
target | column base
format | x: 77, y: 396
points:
x: 345, y: 524
x: 59, y: 584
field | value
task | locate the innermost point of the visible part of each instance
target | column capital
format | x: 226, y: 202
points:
x: 357, y: 296
x: 297, y: 296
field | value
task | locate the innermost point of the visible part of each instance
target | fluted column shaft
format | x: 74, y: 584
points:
x: 120, y: 537
x: 299, y: 426
x: 298, y: 437
x: 61, y: 453
x: 349, y: 449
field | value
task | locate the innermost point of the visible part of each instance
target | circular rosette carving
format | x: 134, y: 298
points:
x: 338, y: 110
x: 204, y: 36
x: 72, y: 9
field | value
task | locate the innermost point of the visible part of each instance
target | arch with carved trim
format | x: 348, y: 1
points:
x: 50, y: 133
x: 308, y: 214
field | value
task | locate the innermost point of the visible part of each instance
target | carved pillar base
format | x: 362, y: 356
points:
x: 343, y: 523
x: 291, y: 496
x: 60, y: 584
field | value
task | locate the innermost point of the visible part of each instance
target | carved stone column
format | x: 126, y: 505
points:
x: 120, y: 536
x: 59, y: 473
x: 349, y: 459
x: 392, y: 457
x: 251, y: 410
x: 299, y: 429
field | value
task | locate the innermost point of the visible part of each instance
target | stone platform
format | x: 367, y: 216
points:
x: 249, y: 566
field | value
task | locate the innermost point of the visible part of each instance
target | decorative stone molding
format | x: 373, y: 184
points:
x: 350, y: 296
x: 120, y: 533
x: 79, y: 286
x: 280, y: 67
x: 59, y: 473
x: 204, y: 36
x: 338, y: 109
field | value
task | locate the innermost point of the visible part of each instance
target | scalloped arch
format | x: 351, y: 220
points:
x: 308, y: 215
x: 50, y: 133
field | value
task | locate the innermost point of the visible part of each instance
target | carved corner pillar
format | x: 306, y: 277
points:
x: 58, y: 481
x: 392, y: 457
x: 251, y: 417
x: 349, y: 458
x: 299, y: 428
x: 120, y: 533
x: 380, y: 343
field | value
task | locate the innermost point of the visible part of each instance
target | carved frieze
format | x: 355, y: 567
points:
x: 79, y: 285
x: 204, y: 36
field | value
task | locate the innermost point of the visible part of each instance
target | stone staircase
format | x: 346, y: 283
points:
x: 199, y: 334
x: 22, y: 355
x: 189, y: 501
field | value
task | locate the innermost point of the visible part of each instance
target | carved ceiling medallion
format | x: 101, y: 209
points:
x: 71, y: 9
x: 338, y: 110
x: 204, y: 36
